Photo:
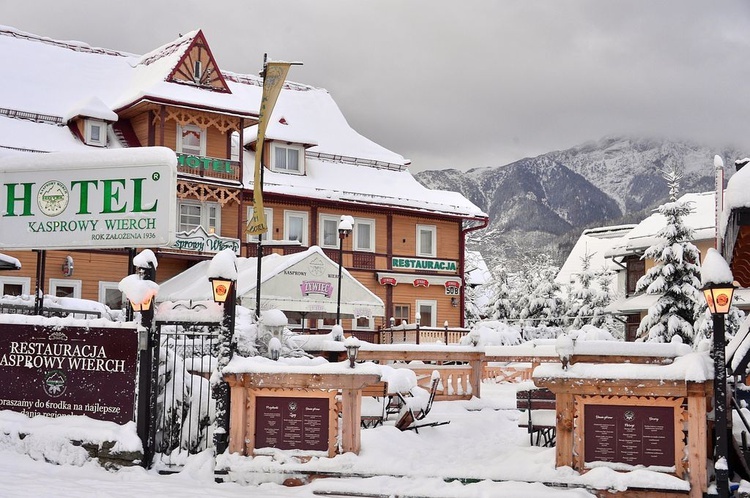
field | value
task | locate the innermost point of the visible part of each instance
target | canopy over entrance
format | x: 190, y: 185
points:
x: 302, y: 284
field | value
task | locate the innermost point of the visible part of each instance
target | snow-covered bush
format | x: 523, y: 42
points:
x: 492, y: 333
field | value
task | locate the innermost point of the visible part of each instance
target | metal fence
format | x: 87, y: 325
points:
x: 185, y: 409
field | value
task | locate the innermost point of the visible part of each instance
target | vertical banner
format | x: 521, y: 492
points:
x: 719, y: 193
x: 273, y: 80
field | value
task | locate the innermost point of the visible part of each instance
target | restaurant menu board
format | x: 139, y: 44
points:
x: 633, y: 435
x: 290, y: 423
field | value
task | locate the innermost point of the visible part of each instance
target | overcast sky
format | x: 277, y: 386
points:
x: 462, y: 84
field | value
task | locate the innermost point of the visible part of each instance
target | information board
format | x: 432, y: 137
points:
x: 69, y: 371
x: 633, y: 435
x: 292, y: 423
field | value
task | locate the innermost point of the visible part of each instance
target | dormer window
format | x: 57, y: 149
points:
x: 287, y: 158
x: 191, y: 140
x: 95, y: 132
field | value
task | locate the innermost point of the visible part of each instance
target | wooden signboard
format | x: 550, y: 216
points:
x: 291, y: 423
x: 631, y: 431
x: 301, y: 420
x: 69, y: 370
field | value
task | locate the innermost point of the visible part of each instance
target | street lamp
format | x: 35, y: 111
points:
x: 345, y: 228
x: 352, y: 346
x: 718, y: 290
x: 418, y: 320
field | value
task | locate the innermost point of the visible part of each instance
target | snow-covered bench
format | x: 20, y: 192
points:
x: 540, y: 417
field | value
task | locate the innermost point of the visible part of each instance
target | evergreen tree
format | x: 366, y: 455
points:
x: 676, y: 276
x: 540, y: 304
x: 601, y: 300
x: 589, y: 295
x: 501, y: 307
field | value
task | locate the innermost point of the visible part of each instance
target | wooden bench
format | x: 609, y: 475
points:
x: 374, y: 402
x: 541, y: 416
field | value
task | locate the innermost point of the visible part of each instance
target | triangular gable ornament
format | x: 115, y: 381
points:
x: 198, y: 67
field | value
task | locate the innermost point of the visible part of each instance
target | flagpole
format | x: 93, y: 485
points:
x: 259, y: 251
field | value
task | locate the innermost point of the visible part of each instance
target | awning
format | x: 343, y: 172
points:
x: 9, y: 263
x: 305, y: 283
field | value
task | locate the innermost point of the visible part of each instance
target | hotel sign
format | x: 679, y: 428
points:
x: 93, y: 200
x: 424, y: 264
x: 198, y: 240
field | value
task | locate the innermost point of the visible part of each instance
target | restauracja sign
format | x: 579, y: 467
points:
x: 424, y: 264
x: 101, y: 199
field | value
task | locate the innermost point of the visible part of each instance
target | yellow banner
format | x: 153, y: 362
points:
x: 275, y: 75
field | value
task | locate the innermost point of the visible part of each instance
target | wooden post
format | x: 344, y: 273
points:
x: 237, y: 417
x: 564, y: 430
x: 697, y: 435
x: 476, y: 376
x: 351, y: 413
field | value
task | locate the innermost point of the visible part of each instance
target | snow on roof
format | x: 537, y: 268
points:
x: 702, y: 220
x: 91, y: 107
x: 477, y: 272
x: 595, y: 242
x: 9, y: 262
x: 364, y: 185
x: 59, y: 79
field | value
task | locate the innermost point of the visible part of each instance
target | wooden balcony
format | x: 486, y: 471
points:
x: 208, y: 167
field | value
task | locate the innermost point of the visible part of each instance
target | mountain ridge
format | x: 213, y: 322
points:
x: 545, y: 202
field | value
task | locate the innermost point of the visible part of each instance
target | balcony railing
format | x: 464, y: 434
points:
x: 208, y: 167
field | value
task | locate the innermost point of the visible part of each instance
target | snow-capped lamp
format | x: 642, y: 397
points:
x: 352, y: 346
x: 718, y: 286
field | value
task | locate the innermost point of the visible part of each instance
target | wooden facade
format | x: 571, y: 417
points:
x: 215, y: 181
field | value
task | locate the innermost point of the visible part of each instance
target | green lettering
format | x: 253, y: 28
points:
x: 11, y: 197
x: 138, y: 197
x: 112, y: 192
x: 83, y: 198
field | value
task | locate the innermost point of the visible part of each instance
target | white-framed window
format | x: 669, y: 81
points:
x: 110, y: 295
x: 362, y: 323
x: 269, y: 223
x: 329, y: 231
x: 15, y: 286
x: 287, y: 158
x: 191, y: 140
x: 192, y: 214
x: 426, y: 241
x: 295, y: 226
x: 95, y: 132
x: 364, y: 235
x: 59, y: 287
x: 428, y: 313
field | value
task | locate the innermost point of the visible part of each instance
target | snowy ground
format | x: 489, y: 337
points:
x: 481, y: 445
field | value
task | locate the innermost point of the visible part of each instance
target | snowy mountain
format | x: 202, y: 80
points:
x: 546, y: 201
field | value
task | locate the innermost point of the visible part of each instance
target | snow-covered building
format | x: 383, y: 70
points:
x: 408, y: 242
x: 627, y: 255
x: 593, y: 243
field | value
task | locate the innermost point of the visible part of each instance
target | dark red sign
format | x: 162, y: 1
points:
x: 290, y: 423
x: 421, y: 282
x: 633, y: 435
x: 69, y: 371
x: 388, y: 281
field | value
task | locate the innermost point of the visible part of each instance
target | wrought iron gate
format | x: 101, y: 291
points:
x: 184, y: 409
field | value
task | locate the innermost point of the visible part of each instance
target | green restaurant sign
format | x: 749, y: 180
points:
x: 86, y: 200
x: 424, y: 264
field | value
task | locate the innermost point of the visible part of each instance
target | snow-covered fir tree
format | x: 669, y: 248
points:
x: 675, y: 276
x: 602, y: 299
x: 539, y: 302
x: 501, y: 306
x: 589, y: 295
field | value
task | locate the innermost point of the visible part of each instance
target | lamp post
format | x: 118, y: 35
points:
x: 718, y: 290
x: 223, y: 278
x: 345, y: 228
x: 418, y: 320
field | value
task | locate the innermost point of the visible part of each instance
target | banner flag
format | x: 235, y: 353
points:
x: 275, y: 75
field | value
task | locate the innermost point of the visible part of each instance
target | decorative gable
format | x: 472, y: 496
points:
x: 198, y: 67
